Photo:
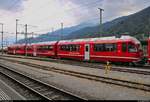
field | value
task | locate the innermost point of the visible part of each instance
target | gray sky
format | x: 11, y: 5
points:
x: 49, y: 13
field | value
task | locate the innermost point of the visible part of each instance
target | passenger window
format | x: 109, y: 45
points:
x: 124, y: 47
x: 131, y: 48
x: 71, y: 48
x: 105, y: 47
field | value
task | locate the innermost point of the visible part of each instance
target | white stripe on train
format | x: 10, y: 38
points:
x: 102, y: 56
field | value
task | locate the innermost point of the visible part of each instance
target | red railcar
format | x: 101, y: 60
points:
x: 47, y: 49
x: 149, y: 50
x: 73, y: 49
x: 11, y: 49
x: 124, y: 49
x: 16, y: 49
x: 20, y: 49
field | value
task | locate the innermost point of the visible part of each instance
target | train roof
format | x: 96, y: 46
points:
x: 39, y: 43
x: 13, y: 45
x: 48, y: 42
x: 112, y: 38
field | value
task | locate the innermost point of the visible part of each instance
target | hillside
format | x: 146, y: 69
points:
x: 135, y: 25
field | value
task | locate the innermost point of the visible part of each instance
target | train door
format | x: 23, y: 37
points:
x: 34, y: 51
x: 14, y: 51
x: 87, y: 52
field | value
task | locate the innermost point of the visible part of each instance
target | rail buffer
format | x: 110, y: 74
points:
x: 107, y: 67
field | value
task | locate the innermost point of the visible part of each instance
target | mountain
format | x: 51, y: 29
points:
x: 135, y: 25
x: 94, y: 31
x: 52, y: 36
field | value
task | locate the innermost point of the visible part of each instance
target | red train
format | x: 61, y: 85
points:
x: 125, y: 49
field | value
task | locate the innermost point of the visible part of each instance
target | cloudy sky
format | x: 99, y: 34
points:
x: 47, y: 14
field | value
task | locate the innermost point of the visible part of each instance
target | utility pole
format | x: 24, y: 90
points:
x: 32, y: 34
x: 16, y: 29
x: 26, y: 39
x: 101, y: 10
x: 61, y: 31
x: 52, y: 30
x: 2, y: 38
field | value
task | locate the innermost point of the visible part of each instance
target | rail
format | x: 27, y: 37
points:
x: 125, y: 83
x: 46, y: 91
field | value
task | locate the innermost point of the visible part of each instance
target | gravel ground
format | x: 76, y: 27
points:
x: 86, y: 88
x: 99, y: 72
x: 81, y: 63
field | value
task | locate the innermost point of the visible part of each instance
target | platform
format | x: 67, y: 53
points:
x: 83, y: 87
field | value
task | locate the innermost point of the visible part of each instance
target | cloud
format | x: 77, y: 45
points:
x: 118, y: 8
x: 11, y: 5
x: 48, y: 14
x: 112, y: 8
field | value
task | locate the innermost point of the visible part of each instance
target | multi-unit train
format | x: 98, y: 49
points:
x: 125, y: 49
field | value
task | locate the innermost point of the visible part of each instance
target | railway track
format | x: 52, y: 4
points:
x: 90, y: 65
x: 46, y: 91
x: 124, y: 83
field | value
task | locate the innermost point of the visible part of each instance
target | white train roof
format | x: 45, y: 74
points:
x: 102, y: 38
x: 130, y: 38
x: 48, y: 42
x: 16, y: 45
x: 124, y: 38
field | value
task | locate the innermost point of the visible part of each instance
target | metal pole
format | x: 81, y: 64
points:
x: 32, y: 34
x: 16, y: 29
x: 26, y: 40
x: 52, y: 30
x: 61, y: 31
x: 101, y: 29
x: 2, y: 37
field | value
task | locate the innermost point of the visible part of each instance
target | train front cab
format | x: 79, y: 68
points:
x: 132, y: 52
x: 115, y: 51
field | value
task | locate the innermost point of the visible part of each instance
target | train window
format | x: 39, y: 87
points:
x: 18, y: 48
x: 110, y: 47
x: 10, y: 48
x: 29, y: 48
x: 131, y: 48
x: 124, y: 47
x: 46, y: 47
x: 105, y: 47
x: 70, y: 48
x: 39, y: 48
